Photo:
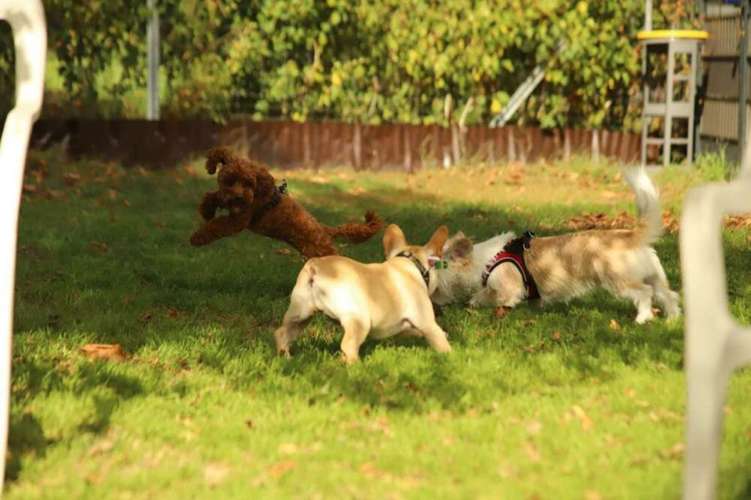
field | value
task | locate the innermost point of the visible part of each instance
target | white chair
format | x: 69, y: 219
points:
x: 715, y: 343
x: 26, y: 18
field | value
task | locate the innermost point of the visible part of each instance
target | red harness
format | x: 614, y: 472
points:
x: 513, y: 252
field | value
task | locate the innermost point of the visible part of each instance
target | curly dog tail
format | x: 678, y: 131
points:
x: 219, y: 156
x: 357, y: 232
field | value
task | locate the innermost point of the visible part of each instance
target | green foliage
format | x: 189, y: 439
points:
x: 7, y: 70
x: 370, y: 62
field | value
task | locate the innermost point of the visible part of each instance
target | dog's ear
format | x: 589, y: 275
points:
x: 217, y: 157
x: 435, y: 245
x: 393, y: 240
x: 458, y: 247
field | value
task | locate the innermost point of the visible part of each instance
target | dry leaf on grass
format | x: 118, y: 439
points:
x: 675, y: 452
x: 283, y: 251
x: 99, y: 246
x: 533, y: 427
x: 614, y: 325
x: 622, y: 220
x: 109, y: 352
x: 738, y: 221
x: 584, y: 420
x: 532, y: 452
x: 215, y: 473
x: 71, y: 178
x: 281, y: 468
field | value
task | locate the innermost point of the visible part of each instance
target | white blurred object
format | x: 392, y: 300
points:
x: 26, y: 18
x: 716, y: 344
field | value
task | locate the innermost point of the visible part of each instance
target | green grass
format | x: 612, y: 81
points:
x: 550, y: 403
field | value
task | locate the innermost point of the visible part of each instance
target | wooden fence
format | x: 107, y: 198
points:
x: 287, y: 144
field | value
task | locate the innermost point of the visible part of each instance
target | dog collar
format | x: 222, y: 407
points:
x: 513, y: 252
x: 276, y: 197
x: 425, y: 273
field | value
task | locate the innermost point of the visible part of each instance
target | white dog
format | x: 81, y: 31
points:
x: 380, y: 300
x: 505, y: 270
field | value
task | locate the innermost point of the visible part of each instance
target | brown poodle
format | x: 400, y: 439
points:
x: 250, y: 195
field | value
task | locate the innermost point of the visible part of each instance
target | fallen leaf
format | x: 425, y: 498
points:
x: 283, y: 251
x: 370, y: 470
x: 534, y: 427
x: 532, y: 452
x: 71, y: 178
x: 738, y: 221
x: 109, y: 352
x: 99, y: 246
x: 215, y: 473
x: 102, y: 446
x: 249, y: 424
x: 614, y: 325
x: 675, y: 452
x: 281, y: 468
x: 29, y: 188
x: 288, y: 448
x: 584, y: 420
x: 556, y: 336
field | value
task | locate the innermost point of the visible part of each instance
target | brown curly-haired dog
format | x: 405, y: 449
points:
x: 249, y: 193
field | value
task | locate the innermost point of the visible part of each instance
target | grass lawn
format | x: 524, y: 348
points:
x: 571, y: 401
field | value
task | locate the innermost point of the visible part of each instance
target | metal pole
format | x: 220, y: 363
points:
x: 743, y: 81
x: 699, y: 90
x: 648, y: 15
x: 152, y: 34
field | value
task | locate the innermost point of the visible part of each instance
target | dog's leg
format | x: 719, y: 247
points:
x: 355, y: 333
x: 209, y: 205
x: 667, y: 298
x: 298, y: 314
x: 436, y: 337
x: 226, y: 225
x: 641, y: 295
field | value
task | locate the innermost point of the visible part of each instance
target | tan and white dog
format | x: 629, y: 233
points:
x: 559, y: 268
x: 380, y: 300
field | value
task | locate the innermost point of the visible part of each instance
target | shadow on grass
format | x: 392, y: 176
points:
x: 99, y: 381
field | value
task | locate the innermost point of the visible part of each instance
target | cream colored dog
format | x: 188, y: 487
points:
x: 559, y: 268
x: 380, y: 300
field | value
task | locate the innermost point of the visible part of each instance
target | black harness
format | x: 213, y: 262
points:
x: 513, y: 252
x: 276, y: 197
x: 425, y: 273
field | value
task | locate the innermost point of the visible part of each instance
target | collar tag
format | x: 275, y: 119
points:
x: 437, y: 262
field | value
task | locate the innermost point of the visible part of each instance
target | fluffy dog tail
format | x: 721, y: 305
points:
x: 218, y: 156
x: 357, y: 232
x: 647, y: 204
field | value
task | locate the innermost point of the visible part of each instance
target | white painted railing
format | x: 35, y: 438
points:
x: 715, y: 344
x: 26, y: 18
